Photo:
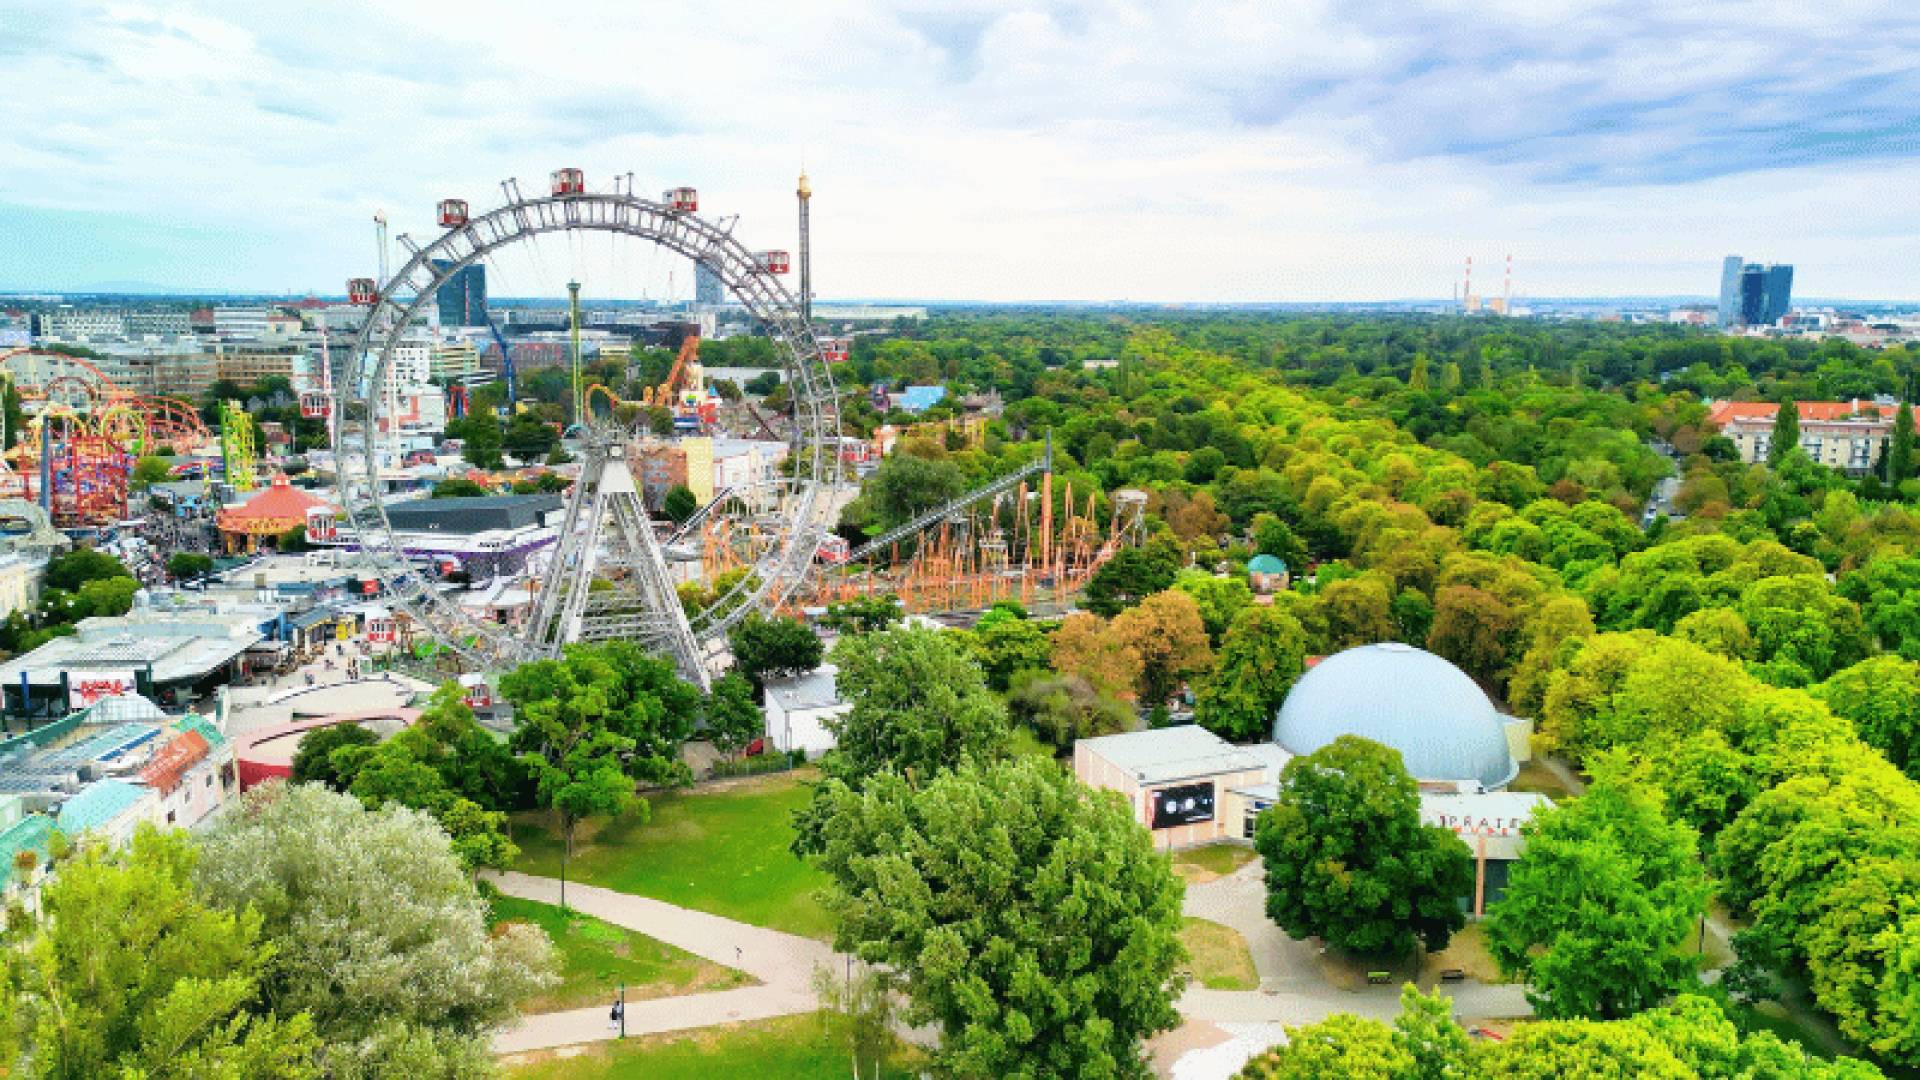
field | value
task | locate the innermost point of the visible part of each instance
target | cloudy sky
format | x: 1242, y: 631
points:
x: 1262, y: 151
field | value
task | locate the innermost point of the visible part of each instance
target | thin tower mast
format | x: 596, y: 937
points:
x: 573, y: 322
x: 805, y: 192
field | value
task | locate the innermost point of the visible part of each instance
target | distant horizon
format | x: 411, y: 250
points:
x: 1671, y: 300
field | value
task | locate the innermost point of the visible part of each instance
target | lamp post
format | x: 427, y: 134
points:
x: 623, y: 1010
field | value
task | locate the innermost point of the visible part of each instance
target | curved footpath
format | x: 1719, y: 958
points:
x: 1290, y: 993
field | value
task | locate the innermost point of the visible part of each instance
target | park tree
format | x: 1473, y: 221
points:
x: 1786, y: 433
x: 457, y: 487
x: 1598, y: 908
x: 679, y: 503
x: 773, y: 646
x: 1342, y: 1045
x: 150, y: 470
x: 1474, y: 629
x: 1166, y: 632
x: 1264, y: 653
x: 480, y: 438
x: 1220, y: 599
x: 907, y: 485
x: 1006, y: 644
x: 1271, y: 536
x: 1900, y: 448
x: 129, y: 973
x: 967, y: 887
x: 1132, y: 575
x: 189, y: 565
x: 1357, y: 611
x: 1880, y: 697
x: 69, y: 571
x: 1086, y: 645
x: 733, y: 719
x: 373, y: 928
x: 1424, y: 1043
x: 918, y: 705
x: 1348, y: 859
x: 529, y: 438
x: 313, y: 761
x: 863, y: 615
x: 1062, y: 709
x: 595, y: 722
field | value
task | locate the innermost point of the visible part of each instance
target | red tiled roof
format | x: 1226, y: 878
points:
x: 280, y: 502
x: 1810, y: 411
x: 163, y: 771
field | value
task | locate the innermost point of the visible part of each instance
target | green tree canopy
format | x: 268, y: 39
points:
x: 374, y: 928
x: 1348, y: 859
x: 773, y: 646
x: 130, y: 973
x: 1263, y: 655
x: 1027, y: 915
x: 1599, y: 906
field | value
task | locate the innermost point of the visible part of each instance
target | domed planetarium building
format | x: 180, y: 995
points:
x: 1443, y: 724
x: 1189, y: 786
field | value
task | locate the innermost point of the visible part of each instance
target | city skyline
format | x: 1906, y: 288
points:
x: 985, y: 152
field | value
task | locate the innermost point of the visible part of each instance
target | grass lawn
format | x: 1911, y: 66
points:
x: 720, y: 848
x: 596, y: 957
x: 1217, y: 956
x: 1213, y: 861
x: 789, y: 1048
x: 1466, y: 950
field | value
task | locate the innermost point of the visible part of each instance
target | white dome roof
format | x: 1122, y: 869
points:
x: 1443, y: 724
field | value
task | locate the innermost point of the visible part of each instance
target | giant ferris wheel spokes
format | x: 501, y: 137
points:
x: 607, y: 538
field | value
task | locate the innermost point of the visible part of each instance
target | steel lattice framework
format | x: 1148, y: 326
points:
x: 360, y: 373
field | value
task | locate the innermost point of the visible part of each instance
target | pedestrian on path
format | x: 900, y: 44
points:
x: 613, y: 1018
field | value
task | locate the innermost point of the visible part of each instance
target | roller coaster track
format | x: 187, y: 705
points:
x: 1042, y: 464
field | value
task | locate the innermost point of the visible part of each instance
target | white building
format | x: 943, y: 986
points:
x: 798, y: 709
x: 240, y: 322
x: 20, y: 575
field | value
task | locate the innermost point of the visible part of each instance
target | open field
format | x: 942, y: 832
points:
x: 789, y: 1048
x: 1217, y: 956
x: 596, y: 958
x: 721, y: 848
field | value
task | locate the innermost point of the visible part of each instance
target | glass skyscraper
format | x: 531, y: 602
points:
x: 1730, y: 289
x: 1753, y: 294
x: 707, y: 288
x: 463, y: 299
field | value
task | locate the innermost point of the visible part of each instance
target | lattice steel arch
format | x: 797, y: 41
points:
x: 360, y: 372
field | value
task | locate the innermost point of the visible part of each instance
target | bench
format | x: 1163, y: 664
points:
x: 1378, y: 978
x: 1453, y: 975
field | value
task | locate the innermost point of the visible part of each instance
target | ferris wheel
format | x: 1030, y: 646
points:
x: 608, y: 574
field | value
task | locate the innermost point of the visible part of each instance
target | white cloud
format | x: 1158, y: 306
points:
x: 1212, y: 151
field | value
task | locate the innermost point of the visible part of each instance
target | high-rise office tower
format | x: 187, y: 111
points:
x: 708, y: 291
x: 1766, y: 293
x: 1779, y: 292
x: 1730, y: 270
x: 463, y: 299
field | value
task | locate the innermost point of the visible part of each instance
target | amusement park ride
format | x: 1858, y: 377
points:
x: 766, y: 547
x: 82, y: 435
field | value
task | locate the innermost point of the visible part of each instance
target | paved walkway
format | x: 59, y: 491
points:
x: 1291, y: 989
x: 784, y: 964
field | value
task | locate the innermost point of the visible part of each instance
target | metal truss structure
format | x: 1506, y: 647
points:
x: 608, y: 539
x: 1004, y: 540
x: 608, y: 576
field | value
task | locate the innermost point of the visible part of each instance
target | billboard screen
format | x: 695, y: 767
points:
x: 1183, y: 805
x: 85, y: 688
